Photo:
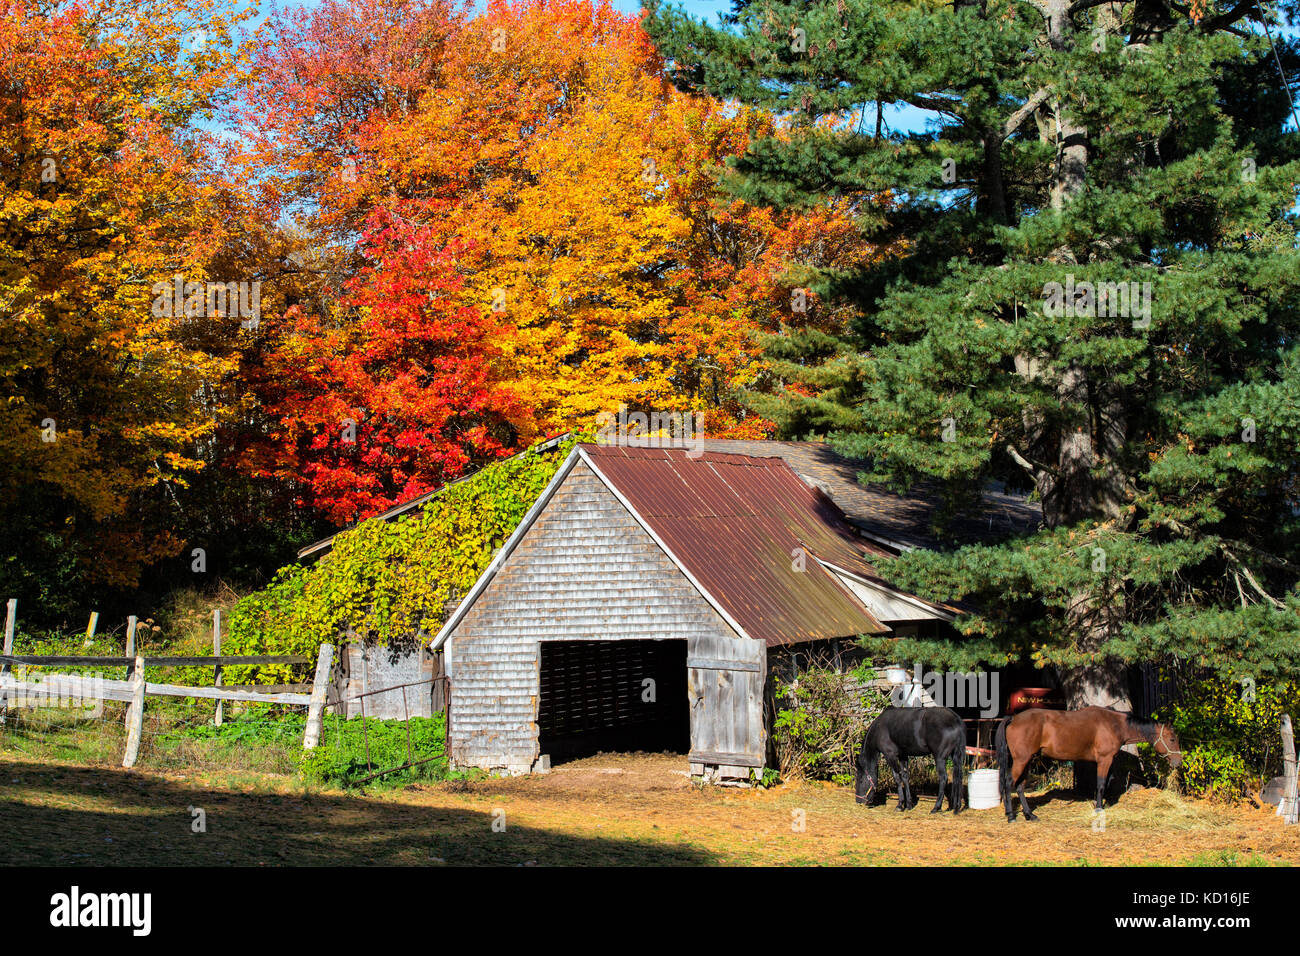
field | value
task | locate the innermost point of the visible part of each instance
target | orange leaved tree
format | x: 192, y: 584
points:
x: 531, y: 165
x: 113, y: 357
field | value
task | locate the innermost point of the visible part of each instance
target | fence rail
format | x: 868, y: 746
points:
x: 227, y: 660
x: 135, y: 689
x: 98, y: 688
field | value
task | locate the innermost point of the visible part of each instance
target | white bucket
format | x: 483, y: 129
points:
x: 983, y: 790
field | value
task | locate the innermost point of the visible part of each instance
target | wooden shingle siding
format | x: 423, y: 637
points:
x: 585, y: 570
x: 364, y: 669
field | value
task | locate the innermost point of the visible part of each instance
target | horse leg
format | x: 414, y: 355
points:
x: 1005, y: 783
x: 1103, y: 778
x: 1019, y: 771
x: 899, y: 769
x: 941, y: 768
x: 957, y: 796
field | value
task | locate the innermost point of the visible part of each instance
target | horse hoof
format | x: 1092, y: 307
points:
x: 1030, y: 816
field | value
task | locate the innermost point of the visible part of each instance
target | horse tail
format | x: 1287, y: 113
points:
x: 1004, y: 754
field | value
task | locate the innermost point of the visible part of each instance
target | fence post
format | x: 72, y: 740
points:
x: 1290, y: 804
x: 90, y: 628
x: 216, y: 652
x: 11, y: 612
x: 319, y: 687
x: 130, y: 645
x: 135, y: 715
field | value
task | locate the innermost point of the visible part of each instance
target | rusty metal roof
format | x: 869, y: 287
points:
x: 737, y: 524
x: 905, y: 521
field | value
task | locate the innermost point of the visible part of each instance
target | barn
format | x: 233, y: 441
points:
x: 644, y: 600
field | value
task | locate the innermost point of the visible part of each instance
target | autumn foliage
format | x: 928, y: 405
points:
x: 468, y: 228
x: 534, y: 234
x: 110, y: 187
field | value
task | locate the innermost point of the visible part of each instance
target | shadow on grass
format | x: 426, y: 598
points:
x: 85, y: 816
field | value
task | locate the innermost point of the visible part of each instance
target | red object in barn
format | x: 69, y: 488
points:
x: 1032, y: 698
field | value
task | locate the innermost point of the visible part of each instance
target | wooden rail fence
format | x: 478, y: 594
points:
x: 136, y: 688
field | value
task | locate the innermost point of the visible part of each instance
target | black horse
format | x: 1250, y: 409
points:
x: 902, y: 732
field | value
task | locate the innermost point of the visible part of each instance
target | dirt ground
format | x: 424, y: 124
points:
x: 610, y: 809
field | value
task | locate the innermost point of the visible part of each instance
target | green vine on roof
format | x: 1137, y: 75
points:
x: 392, y: 582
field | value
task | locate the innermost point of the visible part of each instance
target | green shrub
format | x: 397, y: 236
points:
x: 389, y: 581
x: 254, y: 728
x: 820, y: 719
x: 1230, y: 734
x: 340, y: 759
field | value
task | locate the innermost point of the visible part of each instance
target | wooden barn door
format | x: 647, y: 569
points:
x: 725, y: 683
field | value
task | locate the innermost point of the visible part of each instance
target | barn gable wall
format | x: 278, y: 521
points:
x: 585, y: 570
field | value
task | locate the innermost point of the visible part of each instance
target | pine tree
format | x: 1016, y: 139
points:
x: 1098, y: 304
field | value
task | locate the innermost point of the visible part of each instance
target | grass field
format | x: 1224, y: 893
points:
x: 611, y: 809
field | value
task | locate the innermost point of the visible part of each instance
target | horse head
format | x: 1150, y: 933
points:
x: 868, y: 775
x: 1166, y: 743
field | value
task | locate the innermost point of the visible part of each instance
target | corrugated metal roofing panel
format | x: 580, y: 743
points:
x: 905, y: 519
x: 736, y: 523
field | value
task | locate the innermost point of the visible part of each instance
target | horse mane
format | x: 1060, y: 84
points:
x: 1147, y: 728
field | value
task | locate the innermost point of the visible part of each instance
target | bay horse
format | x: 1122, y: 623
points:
x: 1092, y: 733
x: 902, y: 732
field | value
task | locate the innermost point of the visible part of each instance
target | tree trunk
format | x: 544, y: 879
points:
x: 1079, y: 489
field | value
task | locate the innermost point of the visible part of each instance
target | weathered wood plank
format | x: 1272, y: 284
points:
x: 11, y: 614
x: 135, y: 717
x: 130, y: 646
x: 1290, y: 799
x: 66, y: 660
x: 226, y: 693
x: 725, y: 759
x: 120, y: 690
x: 227, y: 660
x: 319, y: 690
x: 718, y: 664
x: 69, y: 685
x: 216, y: 652
x: 87, y: 660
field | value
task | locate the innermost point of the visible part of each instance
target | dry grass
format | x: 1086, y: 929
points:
x: 624, y: 809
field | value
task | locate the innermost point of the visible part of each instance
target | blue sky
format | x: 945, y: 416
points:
x: 903, y: 118
x: 699, y: 9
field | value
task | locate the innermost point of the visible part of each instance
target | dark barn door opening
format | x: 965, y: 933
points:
x: 594, y: 697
